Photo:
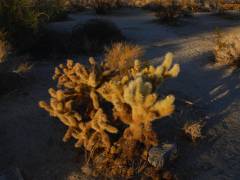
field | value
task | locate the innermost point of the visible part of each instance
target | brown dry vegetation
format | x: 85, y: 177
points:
x: 227, y: 49
x: 121, y: 56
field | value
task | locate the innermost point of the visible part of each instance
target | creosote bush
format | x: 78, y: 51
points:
x: 122, y: 56
x: 19, y: 20
x: 110, y: 114
x: 93, y: 36
x: 227, y: 50
x: 24, y: 19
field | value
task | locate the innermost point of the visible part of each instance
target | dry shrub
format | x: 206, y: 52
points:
x: 23, y: 68
x: 193, y: 130
x: 55, y: 10
x: 76, y: 5
x: 103, y: 6
x: 3, y: 47
x: 227, y: 49
x: 121, y: 56
x: 94, y: 35
x: 23, y: 19
x: 19, y: 20
x: 110, y: 115
x: 170, y: 11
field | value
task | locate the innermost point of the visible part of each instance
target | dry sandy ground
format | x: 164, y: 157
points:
x: 31, y: 140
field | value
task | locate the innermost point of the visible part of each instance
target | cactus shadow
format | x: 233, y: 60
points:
x: 204, y: 92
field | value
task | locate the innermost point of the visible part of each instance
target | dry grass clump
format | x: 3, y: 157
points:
x: 227, y: 50
x: 3, y: 47
x: 121, y: 56
x: 23, y: 68
x: 110, y: 114
x: 193, y: 130
x: 93, y: 36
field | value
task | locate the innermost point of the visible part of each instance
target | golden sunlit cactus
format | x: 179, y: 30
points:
x: 105, y: 109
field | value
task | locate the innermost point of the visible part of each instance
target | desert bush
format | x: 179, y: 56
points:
x: 19, y: 20
x: 121, y: 56
x: 227, y: 49
x: 169, y: 14
x: 94, y: 35
x: 3, y: 47
x: 109, y: 114
x: 23, y: 19
x: 54, y: 10
x: 76, y: 5
x: 103, y: 6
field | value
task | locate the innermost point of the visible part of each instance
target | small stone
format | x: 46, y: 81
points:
x: 160, y: 155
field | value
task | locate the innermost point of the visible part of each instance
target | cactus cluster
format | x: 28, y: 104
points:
x: 104, y: 109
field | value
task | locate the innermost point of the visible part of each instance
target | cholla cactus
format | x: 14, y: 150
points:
x: 227, y: 50
x: 84, y: 94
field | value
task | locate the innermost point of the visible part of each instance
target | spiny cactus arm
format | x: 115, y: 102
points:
x: 170, y: 70
x: 61, y: 106
x: 157, y: 74
x: 99, y: 123
x: 94, y: 98
x: 164, y: 107
x: 68, y: 134
x: 113, y: 92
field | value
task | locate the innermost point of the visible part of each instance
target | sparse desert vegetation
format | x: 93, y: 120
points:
x: 121, y: 56
x: 227, y: 49
x: 119, y: 106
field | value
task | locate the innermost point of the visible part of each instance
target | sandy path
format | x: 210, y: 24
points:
x: 30, y: 140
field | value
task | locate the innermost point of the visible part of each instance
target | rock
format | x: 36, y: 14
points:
x: 161, y: 155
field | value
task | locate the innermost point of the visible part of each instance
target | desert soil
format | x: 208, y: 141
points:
x: 31, y: 140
